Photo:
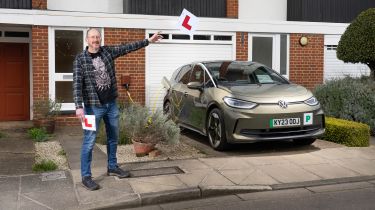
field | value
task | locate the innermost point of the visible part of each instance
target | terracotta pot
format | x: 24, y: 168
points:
x: 47, y: 124
x: 142, y: 149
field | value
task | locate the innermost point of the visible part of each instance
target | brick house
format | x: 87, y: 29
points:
x: 39, y: 39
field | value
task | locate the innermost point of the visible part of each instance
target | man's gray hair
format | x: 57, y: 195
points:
x: 93, y: 28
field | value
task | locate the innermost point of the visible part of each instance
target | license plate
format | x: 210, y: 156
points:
x: 285, y: 122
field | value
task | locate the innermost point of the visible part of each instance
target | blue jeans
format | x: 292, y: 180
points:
x: 110, y: 114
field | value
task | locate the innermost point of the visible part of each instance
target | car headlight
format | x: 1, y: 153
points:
x: 237, y: 103
x: 312, y: 101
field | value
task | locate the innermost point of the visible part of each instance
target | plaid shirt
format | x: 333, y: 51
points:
x: 84, y: 90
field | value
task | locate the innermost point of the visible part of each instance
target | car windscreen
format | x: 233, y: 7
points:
x: 243, y: 73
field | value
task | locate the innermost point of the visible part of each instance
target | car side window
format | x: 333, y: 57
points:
x: 183, y: 76
x: 197, y: 74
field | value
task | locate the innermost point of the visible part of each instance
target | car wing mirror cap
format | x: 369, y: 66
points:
x: 195, y: 85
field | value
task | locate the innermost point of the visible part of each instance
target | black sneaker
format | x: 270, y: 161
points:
x: 89, y: 184
x: 118, y: 172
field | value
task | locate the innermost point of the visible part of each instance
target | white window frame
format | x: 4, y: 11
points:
x: 59, y: 77
x: 275, y: 51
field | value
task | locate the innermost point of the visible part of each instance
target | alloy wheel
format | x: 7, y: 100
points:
x: 214, y: 129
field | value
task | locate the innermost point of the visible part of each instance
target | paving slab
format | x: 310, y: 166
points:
x: 9, y: 184
x: 359, y: 165
x: 249, y: 177
x: 193, y: 178
x: 305, y: 159
x: 26, y: 203
x: 105, y: 193
x: 214, y: 178
x: 9, y: 200
x: 365, y: 153
x: 340, y: 187
x: 287, y: 173
x: 226, y: 163
x: 156, y: 184
x: 34, y: 183
x: 17, y: 145
x: 334, y: 154
x: 61, y: 198
x: 16, y: 163
x: 330, y: 171
x: 266, y: 160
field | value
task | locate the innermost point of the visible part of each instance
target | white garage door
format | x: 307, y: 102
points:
x: 162, y: 59
x: 335, y: 68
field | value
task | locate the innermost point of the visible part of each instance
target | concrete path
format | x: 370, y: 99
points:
x: 218, y: 175
x: 182, y: 179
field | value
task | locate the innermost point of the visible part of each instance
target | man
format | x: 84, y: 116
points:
x: 94, y: 85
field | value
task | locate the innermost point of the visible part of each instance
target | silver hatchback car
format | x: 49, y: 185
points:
x: 242, y: 102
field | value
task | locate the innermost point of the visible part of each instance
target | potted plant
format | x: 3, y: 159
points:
x: 46, y: 111
x: 146, y: 129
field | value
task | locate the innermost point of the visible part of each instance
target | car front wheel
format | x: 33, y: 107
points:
x: 216, y: 130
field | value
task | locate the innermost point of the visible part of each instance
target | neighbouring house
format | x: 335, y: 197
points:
x: 40, y: 38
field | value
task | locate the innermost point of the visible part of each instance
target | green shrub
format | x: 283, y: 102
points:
x: 38, y: 134
x: 102, y: 136
x: 142, y: 125
x: 349, y: 98
x: 348, y: 133
x: 45, y: 165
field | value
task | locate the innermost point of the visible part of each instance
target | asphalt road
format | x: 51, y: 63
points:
x: 353, y: 196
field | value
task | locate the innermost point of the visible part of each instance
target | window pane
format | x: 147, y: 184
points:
x: 202, y: 37
x: 262, y: 50
x: 67, y: 45
x: 16, y: 34
x: 180, y: 36
x: 283, y: 53
x: 223, y: 38
x: 64, y: 92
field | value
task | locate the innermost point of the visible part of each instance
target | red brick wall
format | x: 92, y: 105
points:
x: 306, y: 62
x: 232, y: 8
x: 132, y: 63
x: 39, y: 4
x: 40, y: 63
x: 242, y: 46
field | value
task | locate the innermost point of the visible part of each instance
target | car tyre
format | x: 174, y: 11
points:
x: 303, y: 142
x: 216, y: 130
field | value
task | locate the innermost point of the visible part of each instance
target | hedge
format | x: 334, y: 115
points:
x: 348, y: 133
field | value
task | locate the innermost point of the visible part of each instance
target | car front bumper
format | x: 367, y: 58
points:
x: 246, y: 126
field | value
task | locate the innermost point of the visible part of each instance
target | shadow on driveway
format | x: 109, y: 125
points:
x: 253, y: 149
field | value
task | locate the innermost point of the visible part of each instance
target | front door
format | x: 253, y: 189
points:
x: 14, y: 82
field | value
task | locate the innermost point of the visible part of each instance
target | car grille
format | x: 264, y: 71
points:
x: 280, y: 132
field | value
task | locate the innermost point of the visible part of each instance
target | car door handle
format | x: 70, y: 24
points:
x: 185, y: 93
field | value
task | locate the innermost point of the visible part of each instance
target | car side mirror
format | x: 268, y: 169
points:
x: 195, y: 85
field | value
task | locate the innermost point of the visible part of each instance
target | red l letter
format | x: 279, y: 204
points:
x: 186, y: 22
x: 87, y: 124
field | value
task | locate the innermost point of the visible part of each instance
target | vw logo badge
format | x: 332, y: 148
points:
x: 283, y: 104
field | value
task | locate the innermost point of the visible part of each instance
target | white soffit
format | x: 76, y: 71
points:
x: 80, y: 19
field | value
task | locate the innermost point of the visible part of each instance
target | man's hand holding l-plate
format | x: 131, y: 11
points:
x: 80, y: 114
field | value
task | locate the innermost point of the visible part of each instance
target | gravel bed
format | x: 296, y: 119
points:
x: 49, y: 150
x: 125, y: 153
